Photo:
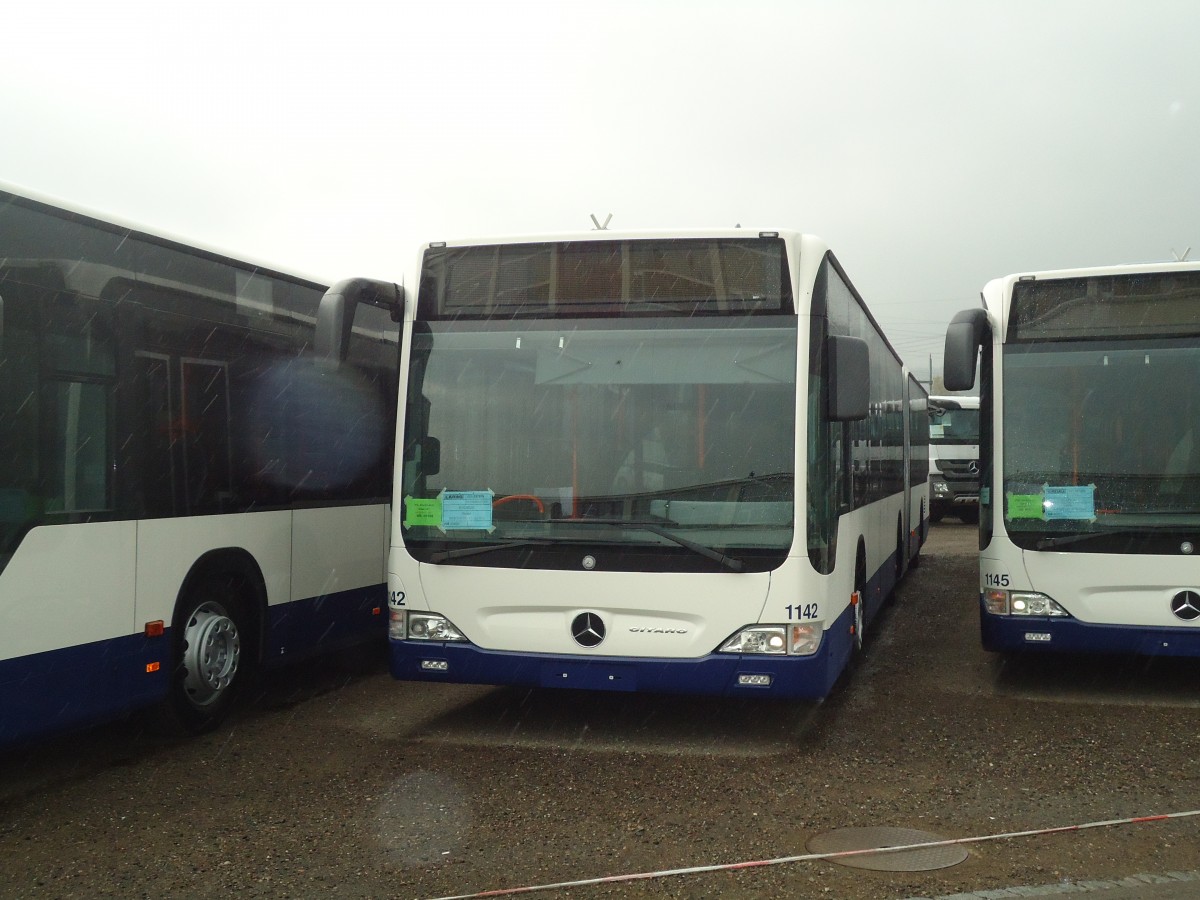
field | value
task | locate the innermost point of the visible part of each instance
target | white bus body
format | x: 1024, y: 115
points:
x: 1090, y: 497
x: 185, y: 493
x: 954, y: 457
x: 657, y: 462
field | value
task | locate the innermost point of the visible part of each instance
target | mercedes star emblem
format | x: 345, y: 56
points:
x: 587, y: 629
x: 1185, y: 605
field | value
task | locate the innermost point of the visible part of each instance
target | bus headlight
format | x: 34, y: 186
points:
x: 432, y: 627
x: 769, y: 639
x: 775, y: 640
x: 1021, y: 603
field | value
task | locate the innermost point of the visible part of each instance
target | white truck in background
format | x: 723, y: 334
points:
x: 954, y: 457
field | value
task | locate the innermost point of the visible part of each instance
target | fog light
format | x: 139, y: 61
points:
x: 754, y: 681
x: 435, y: 665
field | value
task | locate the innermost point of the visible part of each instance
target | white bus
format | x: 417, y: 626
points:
x: 954, y: 457
x: 684, y: 462
x: 1090, y: 498
x: 185, y: 492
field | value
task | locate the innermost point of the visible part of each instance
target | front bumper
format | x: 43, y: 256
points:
x: 806, y: 677
x: 1033, y: 634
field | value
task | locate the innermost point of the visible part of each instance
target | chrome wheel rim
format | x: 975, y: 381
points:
x: 212, y: 651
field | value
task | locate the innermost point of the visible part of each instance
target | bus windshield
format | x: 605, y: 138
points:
x: 592, y: 431
x: 1101, y: 435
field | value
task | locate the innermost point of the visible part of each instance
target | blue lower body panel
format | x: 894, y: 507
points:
x: 78, y: 686
x: 808, y: 677
x: 326, y: 623
x: 1008, y: 634
x: 75, y: 687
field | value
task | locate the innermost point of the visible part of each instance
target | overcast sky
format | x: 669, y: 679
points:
x: 935, y: 145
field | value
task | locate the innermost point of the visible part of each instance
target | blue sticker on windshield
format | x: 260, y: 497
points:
x: 1069, y: 502
x: 466, y: 509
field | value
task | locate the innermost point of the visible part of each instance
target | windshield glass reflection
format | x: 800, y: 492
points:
x: 631, y: 433
x: 1101, y: 435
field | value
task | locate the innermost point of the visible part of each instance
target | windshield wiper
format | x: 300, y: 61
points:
x: 1047, y: 542
x: 729, y: 562
x: 748, y: 479
x: 443, y: 555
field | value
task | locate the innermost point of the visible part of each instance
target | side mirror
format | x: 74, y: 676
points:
x: 964, y: 336
x: 849, y: 375
x: 431, y: 456
x: 335, y: 315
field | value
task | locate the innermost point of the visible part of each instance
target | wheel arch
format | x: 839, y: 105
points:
x: 228, y: 562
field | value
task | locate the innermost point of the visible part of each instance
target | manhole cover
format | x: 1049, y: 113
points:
x: 920, y: 860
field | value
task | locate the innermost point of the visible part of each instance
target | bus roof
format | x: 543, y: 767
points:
x: 111, y: 222
x: 629, y: 235
x: 1007, y: 281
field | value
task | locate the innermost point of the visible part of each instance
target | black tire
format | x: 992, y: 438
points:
x: 212, y: 654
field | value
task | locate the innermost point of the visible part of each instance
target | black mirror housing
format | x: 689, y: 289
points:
x: 964, y: 337
x: 849, y: 378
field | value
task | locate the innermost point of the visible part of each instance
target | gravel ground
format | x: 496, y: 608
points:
x: 335, y: 781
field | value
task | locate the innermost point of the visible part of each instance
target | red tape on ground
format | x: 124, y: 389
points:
x: 811, y: 857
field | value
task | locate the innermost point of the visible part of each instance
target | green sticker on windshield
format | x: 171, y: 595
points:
x: 1024, y: 506
x: 419, y: 512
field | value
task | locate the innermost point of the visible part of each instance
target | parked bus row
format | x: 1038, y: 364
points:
x: 685, y: 462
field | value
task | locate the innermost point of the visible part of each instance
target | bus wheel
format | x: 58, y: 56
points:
x: 211, y: 654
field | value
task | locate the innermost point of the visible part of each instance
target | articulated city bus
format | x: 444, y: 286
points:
x: 186, y: 492
x: 675, y: 462
x: 1090, y: 458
